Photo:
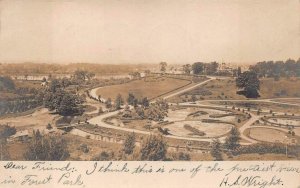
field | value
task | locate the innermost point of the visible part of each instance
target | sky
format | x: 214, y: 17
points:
x: 149, y: 31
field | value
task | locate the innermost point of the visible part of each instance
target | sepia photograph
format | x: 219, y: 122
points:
x: 139, y: 80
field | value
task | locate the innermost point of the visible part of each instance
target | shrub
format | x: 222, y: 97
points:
x: 46, y: 148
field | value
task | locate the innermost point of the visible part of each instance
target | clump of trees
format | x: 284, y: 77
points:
x: 6, y: 84
x: 64, y: 103
x: 153, y: 149
x: 249, y: 83
x: 46, y: 148
x: 80, y: 76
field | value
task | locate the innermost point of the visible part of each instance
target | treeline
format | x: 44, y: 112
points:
x: 201, y: 68
x: 43, y: 68
x: 277, y: 68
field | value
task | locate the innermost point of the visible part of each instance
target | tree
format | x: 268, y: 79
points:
x: 145, y: 102
x: 119, y: 101
x: 187, y: 68
x: 232, y: 141
x: 130, y: 99
x: 198, y: 67
x: 212, y: 68
x: 46, y: 148
x: 249, y: 82
x: 68, y: 105
x: 216, y: 150
x: 49, y: 127
x: 154, y: 149
x: 129, y: 144
x: 163, y: 66
x: 108, y: 103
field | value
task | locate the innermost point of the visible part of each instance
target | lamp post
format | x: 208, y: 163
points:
x: 286, y: 145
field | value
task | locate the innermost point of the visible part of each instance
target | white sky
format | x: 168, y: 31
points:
x: 149, y: 31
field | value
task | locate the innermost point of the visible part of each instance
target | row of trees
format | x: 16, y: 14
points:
x: 278, y: 68
x: 195, y: 68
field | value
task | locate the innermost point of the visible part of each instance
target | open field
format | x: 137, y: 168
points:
x: 267, y: 134
x: 38, y: 119
x: 142, y: 88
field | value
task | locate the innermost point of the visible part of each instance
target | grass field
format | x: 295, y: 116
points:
x: 226, y: 89
x: 142, y: 88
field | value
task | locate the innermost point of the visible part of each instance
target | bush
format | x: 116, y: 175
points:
x: 181, y: 156
x: 84, y: 148
x: 263, y: 148
x: 49, y: 127
x: 104, y: 156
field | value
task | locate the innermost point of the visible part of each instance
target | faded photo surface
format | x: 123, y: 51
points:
x: 160, y: 80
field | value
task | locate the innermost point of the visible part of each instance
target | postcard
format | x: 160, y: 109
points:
x: 129, y: 93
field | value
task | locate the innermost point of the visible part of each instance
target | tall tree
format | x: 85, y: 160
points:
x: 108, y: 103
x: 130, y: 99
x: 216, y: 150
x: 129, y: 144
x: 119, y: 101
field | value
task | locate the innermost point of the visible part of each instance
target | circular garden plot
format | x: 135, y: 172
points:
x: 199, y: 122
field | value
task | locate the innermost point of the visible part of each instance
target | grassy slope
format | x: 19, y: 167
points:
x: 140, y: 88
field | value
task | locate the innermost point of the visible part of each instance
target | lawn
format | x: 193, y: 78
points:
x: 150, y: 88
x: 267, y: 134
